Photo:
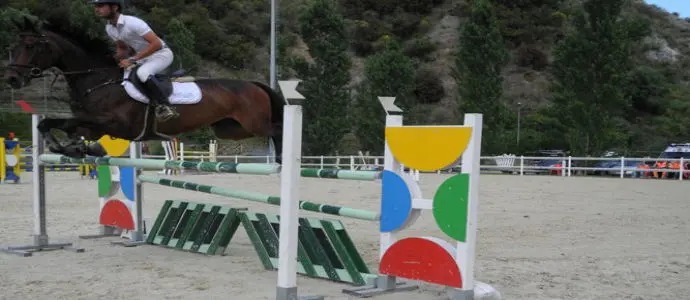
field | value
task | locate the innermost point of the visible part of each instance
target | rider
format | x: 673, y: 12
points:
x: 152, y: 53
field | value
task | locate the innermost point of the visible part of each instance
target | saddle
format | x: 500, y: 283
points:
x: 164, y: 83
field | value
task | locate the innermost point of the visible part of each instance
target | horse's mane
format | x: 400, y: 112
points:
x: 96, y: 46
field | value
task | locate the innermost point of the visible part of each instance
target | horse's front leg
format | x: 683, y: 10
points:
x: 79, y: 132
x: 74, y: 128
x: 44, y: 129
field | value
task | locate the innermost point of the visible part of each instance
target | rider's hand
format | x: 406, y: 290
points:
x: 125, y: 63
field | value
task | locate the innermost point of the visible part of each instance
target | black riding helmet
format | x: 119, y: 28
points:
x: 121, y: 3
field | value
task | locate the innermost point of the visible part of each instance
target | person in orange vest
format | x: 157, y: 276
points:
x: 642, y: 174
x: 659, y: 165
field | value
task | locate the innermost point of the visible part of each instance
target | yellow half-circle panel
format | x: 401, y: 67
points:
x: 114, y: 146
x: 428, y: 148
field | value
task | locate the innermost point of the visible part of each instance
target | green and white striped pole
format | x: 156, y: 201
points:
x: 262, y: 198
x: 205, y: 166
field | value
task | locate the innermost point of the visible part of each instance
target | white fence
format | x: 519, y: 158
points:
x: 507, y: 164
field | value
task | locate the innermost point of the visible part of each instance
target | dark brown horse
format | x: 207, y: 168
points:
x: 234, y: 109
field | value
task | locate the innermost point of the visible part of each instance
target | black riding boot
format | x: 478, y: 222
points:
x: 164, y: 111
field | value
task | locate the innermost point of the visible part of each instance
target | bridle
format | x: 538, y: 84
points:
x: 34, y: 70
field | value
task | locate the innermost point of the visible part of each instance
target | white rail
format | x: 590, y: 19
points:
x: 519, y: 165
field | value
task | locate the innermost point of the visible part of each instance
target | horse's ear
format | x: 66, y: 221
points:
x: 30, y: 25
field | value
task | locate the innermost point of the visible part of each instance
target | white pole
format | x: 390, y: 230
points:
x: 289, y: 193
x: 680, y: 175
x: 39, y: 184
x: 138, y: 233
x: 274, y: 36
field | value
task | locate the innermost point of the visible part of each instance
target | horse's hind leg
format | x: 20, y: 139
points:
x: 229, y: 129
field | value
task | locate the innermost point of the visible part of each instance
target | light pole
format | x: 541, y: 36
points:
x: 274, y: 34
x: 518, y: 123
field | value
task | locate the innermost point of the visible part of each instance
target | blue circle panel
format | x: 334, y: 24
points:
x: 128, y: 182
x: 396, y: 202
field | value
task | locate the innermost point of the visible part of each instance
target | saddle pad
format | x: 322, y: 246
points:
x: 183, y: 92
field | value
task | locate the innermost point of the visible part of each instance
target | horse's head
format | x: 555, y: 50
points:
x: 33, y: 54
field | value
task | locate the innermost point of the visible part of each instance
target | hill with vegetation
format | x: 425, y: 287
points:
x: 583, y: 76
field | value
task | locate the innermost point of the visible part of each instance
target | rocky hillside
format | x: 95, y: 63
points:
x: 230, y: 38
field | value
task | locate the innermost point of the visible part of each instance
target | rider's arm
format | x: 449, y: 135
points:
x: 145, y: 31
x: 155, y: 44
x: 122, y: 50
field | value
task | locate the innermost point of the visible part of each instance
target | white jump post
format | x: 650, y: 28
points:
x: 40, y: 234
x: 405, y: 257
x: 289, y: 193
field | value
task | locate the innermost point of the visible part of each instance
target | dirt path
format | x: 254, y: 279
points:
x: 539, y: 238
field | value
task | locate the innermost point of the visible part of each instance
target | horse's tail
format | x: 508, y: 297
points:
x: 277, y: 104
x: 277, y: 107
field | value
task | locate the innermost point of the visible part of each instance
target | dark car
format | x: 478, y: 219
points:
x: 550, y: 161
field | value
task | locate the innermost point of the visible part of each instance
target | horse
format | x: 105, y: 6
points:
x: 104, y: 101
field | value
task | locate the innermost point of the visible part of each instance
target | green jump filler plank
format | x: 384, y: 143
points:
x: 195, y: 227
x: 324, y: 251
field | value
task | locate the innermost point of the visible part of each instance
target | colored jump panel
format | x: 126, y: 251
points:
x: 116, y: 213
x: 427, y: 259
x: 114, y: 146
x: 128, y: 182
x: 428, y: 148
x: 396, y: 202
x: 451, y: 206
x: 106, y: 182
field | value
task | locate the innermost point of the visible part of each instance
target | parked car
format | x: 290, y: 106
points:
x: 628, y: 168
x: 673, y: 151
x: 550, y: 164
x: 606, y: 163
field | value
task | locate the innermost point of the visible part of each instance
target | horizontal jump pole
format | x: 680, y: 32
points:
x: 257, y: 197
x: 157, y: 164
x: 206, y: 166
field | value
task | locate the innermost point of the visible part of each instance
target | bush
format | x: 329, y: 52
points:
x: 420, y: 48
x: 404, y: 24
x: 428, y: 87
x: 530, y: 56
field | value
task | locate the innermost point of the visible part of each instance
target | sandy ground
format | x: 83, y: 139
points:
x: 539, y: 238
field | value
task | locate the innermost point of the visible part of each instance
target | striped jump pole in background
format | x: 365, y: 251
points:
x: 204, y: 166
x: 156, y: 164
x: 257, y: 197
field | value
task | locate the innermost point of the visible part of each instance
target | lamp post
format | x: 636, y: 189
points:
x: 518, y: 124
x: 274, y: 34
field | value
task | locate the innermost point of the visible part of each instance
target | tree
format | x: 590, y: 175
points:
x: 181, y: 40
x: 325, y: 78
x: 591, y: 65
x: 388, y: 73
x: 480, y: 59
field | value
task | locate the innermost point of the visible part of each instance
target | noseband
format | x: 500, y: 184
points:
x: 35, y: 71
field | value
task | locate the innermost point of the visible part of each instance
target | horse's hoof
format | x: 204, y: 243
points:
x: 96, y: 149
x: 75, y: 152
x: 55, y: 149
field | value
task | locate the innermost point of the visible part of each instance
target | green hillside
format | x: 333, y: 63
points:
x: 584, y: 77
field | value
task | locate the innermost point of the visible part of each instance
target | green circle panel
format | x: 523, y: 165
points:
x: 451, y: 206
x: 105, y: 183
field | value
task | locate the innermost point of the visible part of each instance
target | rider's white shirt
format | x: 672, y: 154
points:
x: 130, y: 30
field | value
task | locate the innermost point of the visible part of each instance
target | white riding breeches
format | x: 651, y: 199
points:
x: 155, y: 63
